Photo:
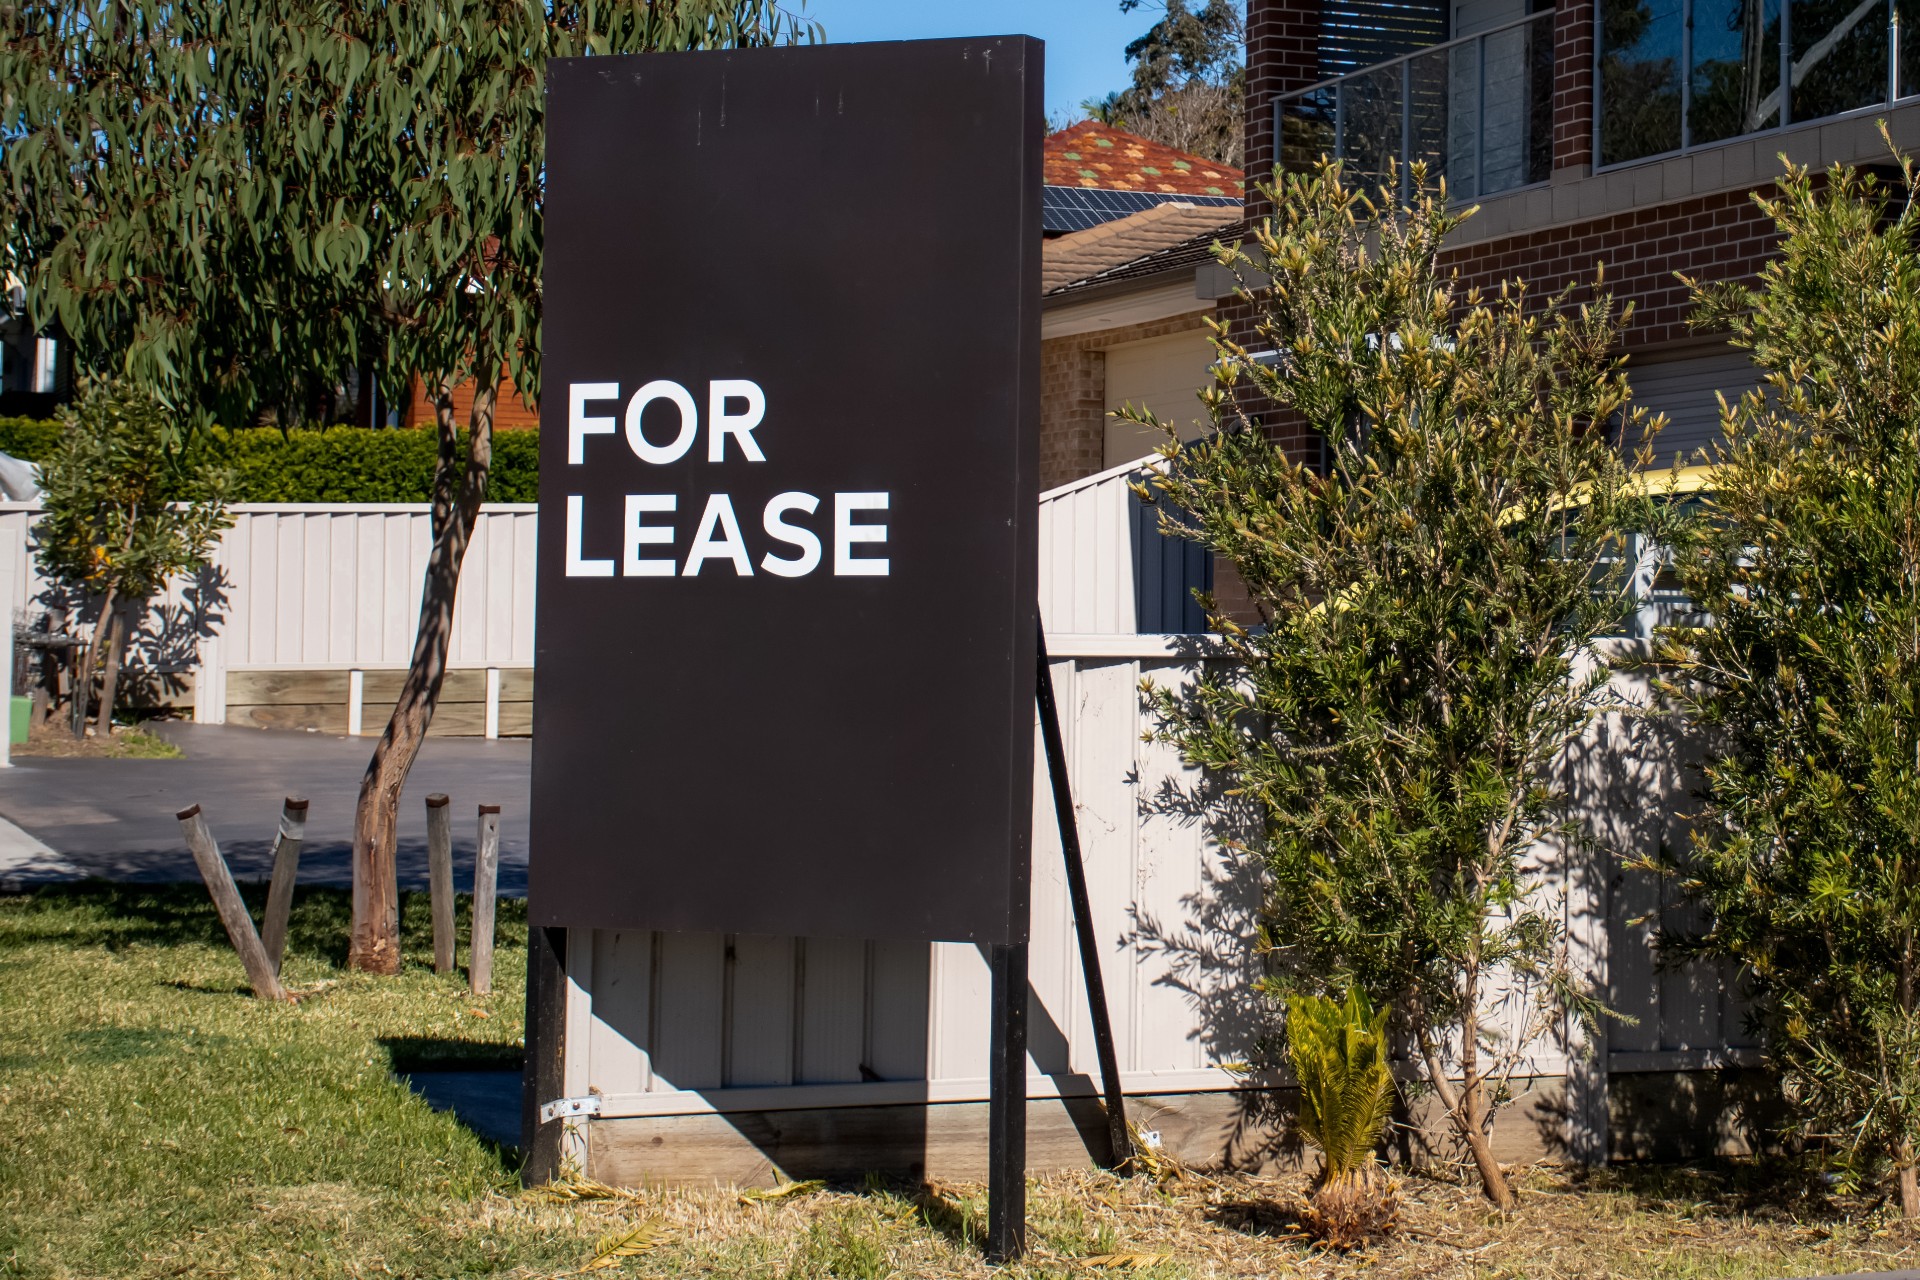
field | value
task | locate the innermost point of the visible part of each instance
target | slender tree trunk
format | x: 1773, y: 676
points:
x: 457, y: 494
x: 110, y: 676
x: 1465, y: 1108
x: 1903, y: 1156
x: 89, y: 658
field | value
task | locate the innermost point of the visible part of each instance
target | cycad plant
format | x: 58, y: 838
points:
x: 1339, y: 1054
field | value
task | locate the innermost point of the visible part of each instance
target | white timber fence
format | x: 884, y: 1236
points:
x: 305, y: 618
x: 315, y: 605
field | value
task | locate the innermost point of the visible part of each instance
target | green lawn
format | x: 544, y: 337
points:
x: 156, y: 1122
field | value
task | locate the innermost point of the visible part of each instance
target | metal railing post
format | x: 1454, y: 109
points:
x: 1893, y: 53
x: 1406, y: 131
x: 1480, y: 120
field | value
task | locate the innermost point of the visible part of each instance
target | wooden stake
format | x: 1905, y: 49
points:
x: 440, y: 879
x: 226, y: 900
x: 486, y: 878
x: 286, y: 869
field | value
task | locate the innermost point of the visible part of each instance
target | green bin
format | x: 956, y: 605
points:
x: 19, y: 711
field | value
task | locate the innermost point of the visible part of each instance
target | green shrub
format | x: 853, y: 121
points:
x: 334, y: 464
x: 30, y: 439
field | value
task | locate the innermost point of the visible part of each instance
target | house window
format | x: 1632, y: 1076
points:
x: 1683, y: 73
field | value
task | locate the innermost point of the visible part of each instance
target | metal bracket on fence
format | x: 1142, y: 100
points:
x: 569, y: 1108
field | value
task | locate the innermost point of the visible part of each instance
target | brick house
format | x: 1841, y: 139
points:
x: 1592, y: 131
x: 1126, y: 290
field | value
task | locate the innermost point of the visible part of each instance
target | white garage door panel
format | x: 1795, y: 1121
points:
x: 1684, y: 391
x: 1161, y: 374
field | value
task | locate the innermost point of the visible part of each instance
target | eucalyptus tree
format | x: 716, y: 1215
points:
x: 229, y: 201
x: 1429, y: 601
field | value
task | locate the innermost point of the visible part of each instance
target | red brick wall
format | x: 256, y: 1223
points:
x: 1073, y: 396
x: 1711, y: 238
x: 510, y: 412
x: 1573, y: 85
x: 1283, y: 38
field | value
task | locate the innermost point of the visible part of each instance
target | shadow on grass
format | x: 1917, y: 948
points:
x: 1261, y: 1216
x: 1779, y: 1188
x: 101, y: 913
x: 950, y: 1215
x: 408, y: 1054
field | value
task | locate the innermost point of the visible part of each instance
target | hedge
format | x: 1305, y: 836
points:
x: 335, y: 464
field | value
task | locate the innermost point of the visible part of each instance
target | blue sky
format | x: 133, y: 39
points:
x: 1085, y: 38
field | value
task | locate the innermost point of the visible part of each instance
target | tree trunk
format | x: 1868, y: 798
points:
x: 457, y: 494
x: 89, y: 658
x: 1909, y: 1183
x: 110, y: 678
x: 1466, y: 1111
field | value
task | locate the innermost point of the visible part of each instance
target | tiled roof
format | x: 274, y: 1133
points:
x: 1091, y: 154
x: 1103, y: 252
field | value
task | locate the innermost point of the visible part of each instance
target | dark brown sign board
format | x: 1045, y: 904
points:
x: 787, y: 553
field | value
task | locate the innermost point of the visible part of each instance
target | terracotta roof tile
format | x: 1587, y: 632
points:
x: 1093, y: 154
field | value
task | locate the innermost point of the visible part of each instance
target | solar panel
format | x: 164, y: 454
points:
x: 1077, y: 208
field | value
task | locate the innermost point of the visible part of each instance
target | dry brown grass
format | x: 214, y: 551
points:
x: 1669, y: 1224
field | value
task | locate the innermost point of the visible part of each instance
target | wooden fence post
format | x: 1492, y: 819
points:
x: 486, y: 878
x: 286, y: 869
x: 226, y: 900
x: 440, y: 879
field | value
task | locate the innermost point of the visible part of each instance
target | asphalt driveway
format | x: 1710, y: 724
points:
x: 115, y: 818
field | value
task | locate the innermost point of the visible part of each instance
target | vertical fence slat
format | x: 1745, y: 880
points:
x: 618, y: 1043
x: 760, y: 1012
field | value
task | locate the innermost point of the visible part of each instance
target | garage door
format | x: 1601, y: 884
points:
x: 1684, y: 390
x: 1161, y: 374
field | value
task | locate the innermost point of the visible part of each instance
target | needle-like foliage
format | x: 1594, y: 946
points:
x: 1806, y: 681
x: 1428, y: 595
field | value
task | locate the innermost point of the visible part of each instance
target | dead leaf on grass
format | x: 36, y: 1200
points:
x: 573, y: 1188
x: 1126, y: 1261
x: 781, y: 1192
x: 624, y: 1244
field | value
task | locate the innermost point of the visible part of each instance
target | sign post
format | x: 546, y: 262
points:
x: 787, y: 551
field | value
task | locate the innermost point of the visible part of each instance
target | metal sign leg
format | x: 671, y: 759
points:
x: 1007, y: 1105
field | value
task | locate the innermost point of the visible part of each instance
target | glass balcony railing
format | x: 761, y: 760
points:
x: 1478, y: 110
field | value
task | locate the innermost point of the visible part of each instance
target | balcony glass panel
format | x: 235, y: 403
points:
x: 1478, y: 111
x: 1429, y: 76
x: 1736, y: 69
x: 1640, y: 44
x: 1463, y: 121
x: 1370, y: 142
x: 1309, y: 129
